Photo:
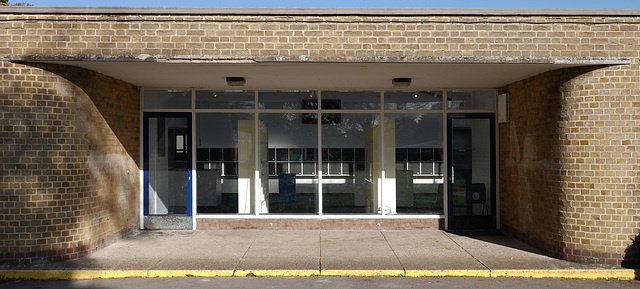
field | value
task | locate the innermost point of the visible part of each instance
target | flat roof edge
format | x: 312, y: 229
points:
x: 580, y: 61
x: 315, y: 11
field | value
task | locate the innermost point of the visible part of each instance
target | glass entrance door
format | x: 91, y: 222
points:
x: 167, y: 164
x: 471, y: 167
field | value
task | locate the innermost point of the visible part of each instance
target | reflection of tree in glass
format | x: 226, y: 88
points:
x: 350, y: 125
x: 291, y: 105
x: 241, y: 104
x: 290, y: 118
x: 293, y: 124
x: 370, y: 106
x: 347, y: 126
x: 416, y: 117
x: 432, y: 105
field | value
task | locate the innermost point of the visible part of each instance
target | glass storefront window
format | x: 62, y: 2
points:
x: 351, y: 161
x: 471, y: 100
x: 289, y: 148
x: 288, y: 100
x: 225, y: 99
x: 418, y: 155
x: 225, y: 162
x: 355, y: 100
x: 413, y: 100
x: 167, y: 99
x: 268, y: 160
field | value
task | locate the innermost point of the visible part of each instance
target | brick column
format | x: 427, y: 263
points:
x: 68, y: 171
x: 568, y: 162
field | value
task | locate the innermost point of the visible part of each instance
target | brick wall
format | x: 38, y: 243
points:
x: 319, y: 38
x: 68, y: 185
x: 568, y: 162
x: 568, y: 176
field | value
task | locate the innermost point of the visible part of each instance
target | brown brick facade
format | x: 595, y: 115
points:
x: 319, y: 38
x: 68, y: 184
x: 568, y: 162
x: 568, y: 157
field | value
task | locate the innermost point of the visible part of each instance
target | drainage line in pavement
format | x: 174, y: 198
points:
x: 320, y: 259
x: 474, y: 257
x: 404, y: 270
x: 245, y: 252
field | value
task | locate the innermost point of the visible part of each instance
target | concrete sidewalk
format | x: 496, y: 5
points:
x: 411, y: 253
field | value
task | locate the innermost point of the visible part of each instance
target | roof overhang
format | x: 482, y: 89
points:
x: 426, y: 73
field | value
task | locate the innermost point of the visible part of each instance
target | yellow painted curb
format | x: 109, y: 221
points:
x: 277, y: 273
x: 189, y: 273
x: 113, y: 274
x: 71, y: 274
x: 448, y: 273
x: 568, y: 273
x: 363, y: 273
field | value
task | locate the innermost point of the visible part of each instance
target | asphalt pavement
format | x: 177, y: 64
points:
x: 322, y: 283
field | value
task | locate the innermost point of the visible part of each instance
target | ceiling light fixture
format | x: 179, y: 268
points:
x: 401, y: 82
x: 236, y: 81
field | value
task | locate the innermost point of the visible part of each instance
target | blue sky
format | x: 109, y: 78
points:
x: 590, y: 4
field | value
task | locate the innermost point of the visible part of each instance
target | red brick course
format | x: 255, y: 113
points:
x: 320, y: 224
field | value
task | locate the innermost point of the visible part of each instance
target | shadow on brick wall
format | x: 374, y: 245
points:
x: 535, y: 184
x: 632, y: 256
x: 64, y: 168
x: 117, y: 101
